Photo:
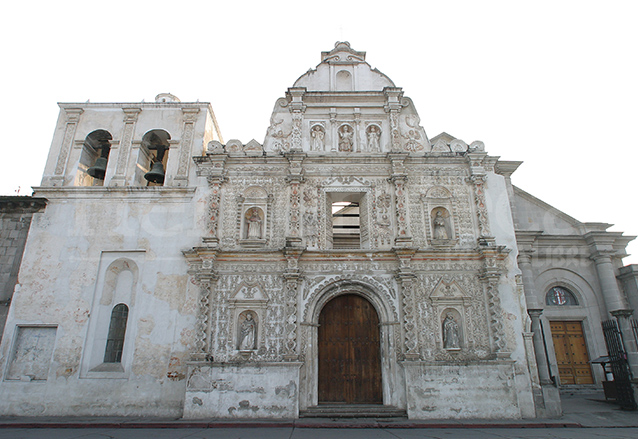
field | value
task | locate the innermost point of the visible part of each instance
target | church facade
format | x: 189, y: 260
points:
x: 349, y: 260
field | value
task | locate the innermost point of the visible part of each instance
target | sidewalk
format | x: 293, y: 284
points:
x: 580, y: 410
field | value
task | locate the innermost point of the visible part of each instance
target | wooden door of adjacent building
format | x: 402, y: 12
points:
x: 349, y: 352
x: 571, y: 353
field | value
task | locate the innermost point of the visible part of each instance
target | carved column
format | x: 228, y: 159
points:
x: 407, y: 282
x: 293, y: 283
x: 294, y: 178
x: 297, y: 108
x: 334, y: 136
x: 525, y: 264
x: 490, y: 277
x: 393, y: 108
x: 478, y: 179
x: 358, y: 142
x: 605, y: 269
x: 72, y: 119
x: 544, y: 373
x: 212, y: 167
x: 399, y: 179
x: 201, y: 261
x: 185, y: 147
x: 124, y: 149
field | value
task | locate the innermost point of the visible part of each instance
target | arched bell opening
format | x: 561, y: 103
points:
x: 155, y: 144
x: 94, y: 158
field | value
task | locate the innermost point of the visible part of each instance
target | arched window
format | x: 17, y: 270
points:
x: 560, y: 296
x: 117, y: 331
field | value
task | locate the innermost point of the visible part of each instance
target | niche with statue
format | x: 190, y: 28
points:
x: 247, y: 331
x: 253, y: 224
x: 248, y: 306
x: 451, y: 330
x: 439, y: 213
x: 452, y: 304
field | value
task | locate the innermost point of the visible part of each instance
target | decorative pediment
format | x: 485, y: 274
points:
x: 438, y: 192
x: 247, y: 293
x: 440, y: 146
x: 343, y: 53
x: 253, y: 148
x: 350, y: 181
x: 255, y: 192
x: 449, y: 293
x: 234, y: 146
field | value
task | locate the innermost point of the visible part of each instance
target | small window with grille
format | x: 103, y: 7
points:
x: 117, y: 331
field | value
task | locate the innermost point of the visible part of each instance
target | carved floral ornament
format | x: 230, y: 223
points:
x: 235, y: 147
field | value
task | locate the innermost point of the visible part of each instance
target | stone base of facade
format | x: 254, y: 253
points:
x: 248, y: 390
x: 485, y: 390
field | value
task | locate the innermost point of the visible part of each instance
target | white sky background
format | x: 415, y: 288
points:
x: 552, y: 83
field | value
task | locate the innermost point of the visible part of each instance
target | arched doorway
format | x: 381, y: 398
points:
x: 349, y: 352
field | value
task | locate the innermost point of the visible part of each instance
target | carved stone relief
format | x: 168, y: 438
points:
x: 373, y: 135
x: 317, y: 137
x: 460, y: 295
x: 346, y: 138
x: 253, y: 209
x: 239, y: 196
x: 247, y: 336
x: 234, y: 299
x: 451, y: 330
x: 414, y: 140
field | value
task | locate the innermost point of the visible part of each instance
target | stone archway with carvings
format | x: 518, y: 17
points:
x: 377, y: 303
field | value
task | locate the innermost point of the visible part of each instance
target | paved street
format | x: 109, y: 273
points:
x: 585, y: 415
x: 313, y: 433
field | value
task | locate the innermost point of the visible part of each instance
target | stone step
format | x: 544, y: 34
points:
x: 352, y: 411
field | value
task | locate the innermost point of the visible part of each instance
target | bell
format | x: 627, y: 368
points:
x: 156, y: 174
x: 98, y: 170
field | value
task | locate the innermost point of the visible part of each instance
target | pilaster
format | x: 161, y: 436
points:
x: 131, y: 116
x: 190, y: 117
x: 393, y: 108
x: 293, y: 282
x: 478, y: 179
x: 212, y: 167
x: 295, y: 178
x: 202, y: 269
x: 406, y: 279
x: 399, y: 179
x: 72, y: 120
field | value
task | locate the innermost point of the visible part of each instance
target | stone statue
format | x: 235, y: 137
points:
x: 373, y: 138
x: 317, y: 135
x: 345, y: 138
x: 451, y: 336
x: 247, y: 333
x: 253, y: 221
x: 440, y: 231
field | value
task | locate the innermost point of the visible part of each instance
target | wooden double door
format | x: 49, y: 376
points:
x: 349, y: 352
x: 571, y: 353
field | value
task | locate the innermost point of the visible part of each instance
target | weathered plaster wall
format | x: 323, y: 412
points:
x: 463, y: 391
x: 61, y: 286
x: 255, y: 390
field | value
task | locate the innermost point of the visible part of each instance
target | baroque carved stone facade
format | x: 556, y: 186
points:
x: 225, y: 268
